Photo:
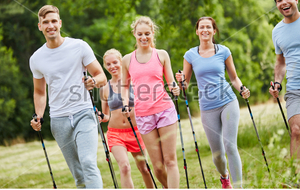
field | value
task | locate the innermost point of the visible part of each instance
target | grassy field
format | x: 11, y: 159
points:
x: 24, y: 165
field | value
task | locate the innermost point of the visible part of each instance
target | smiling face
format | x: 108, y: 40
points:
x: 50, y: 25
x: 205, y: 30
x: 144, y: 35
x: 112, y: 64
x: 288, y: 8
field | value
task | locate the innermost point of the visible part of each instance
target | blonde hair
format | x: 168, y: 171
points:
x: 114, y: 52
x: 47, y: 9
x: 149, y: 22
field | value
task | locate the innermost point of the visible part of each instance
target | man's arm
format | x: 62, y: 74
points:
x: 280, y: 69
x: 279, y: 73
x: 40, y: 100
x: 97, y: 72
x: 39, y: 96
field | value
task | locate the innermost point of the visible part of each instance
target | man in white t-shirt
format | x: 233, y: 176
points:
x: 286, y: 39
x: 60, y: 63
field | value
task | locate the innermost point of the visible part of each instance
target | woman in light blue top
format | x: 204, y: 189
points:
x: 218, y: 103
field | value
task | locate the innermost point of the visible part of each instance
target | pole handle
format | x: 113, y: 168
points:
x: 273, y: 85
x: 34, y: 116
x: 242, y: 89
x: 183, y: 79
x: 124, y: 108
x: 85, y: 75
x: 176, y: 97
x: 101, y: 115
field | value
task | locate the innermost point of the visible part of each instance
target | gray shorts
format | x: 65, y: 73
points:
x: 292, y: 99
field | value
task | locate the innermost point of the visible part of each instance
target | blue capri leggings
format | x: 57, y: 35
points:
x: 221, y: 128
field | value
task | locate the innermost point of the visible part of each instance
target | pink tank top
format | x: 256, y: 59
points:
x: 150, y: 96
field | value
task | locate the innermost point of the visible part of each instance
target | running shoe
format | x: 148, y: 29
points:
x: 225, y: 183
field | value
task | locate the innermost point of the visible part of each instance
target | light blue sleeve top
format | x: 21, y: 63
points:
x: 286, y: 39
x: 214, y: 90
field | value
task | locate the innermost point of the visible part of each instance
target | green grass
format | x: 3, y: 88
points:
x: 24, y: 165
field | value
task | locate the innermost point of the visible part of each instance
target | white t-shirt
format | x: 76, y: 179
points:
x: 62, y: 68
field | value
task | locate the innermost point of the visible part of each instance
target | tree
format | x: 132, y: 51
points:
x: 13, y: 102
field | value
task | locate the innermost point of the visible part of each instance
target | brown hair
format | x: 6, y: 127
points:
x: 114, y: 52
x: 47, y: 9
x: 214, y: 24
x: 149, y: 22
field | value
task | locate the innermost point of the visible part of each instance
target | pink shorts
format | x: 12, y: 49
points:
x: 125, y: 138
x: 162, y: 119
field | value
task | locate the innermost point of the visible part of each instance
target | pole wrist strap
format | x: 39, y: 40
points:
x: 280, y: 87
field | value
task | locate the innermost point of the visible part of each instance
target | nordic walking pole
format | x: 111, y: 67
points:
x: 108, y: 159
x: 181, y: 138
x: 111, y: 168
x: 262, y: 149
x: 286, y: 125
x: 148, y: 167
x: 42, y: 141
x: 196, y: 145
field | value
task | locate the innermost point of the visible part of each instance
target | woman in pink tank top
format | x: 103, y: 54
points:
x: 120, y: 137
x: 155, y: 113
